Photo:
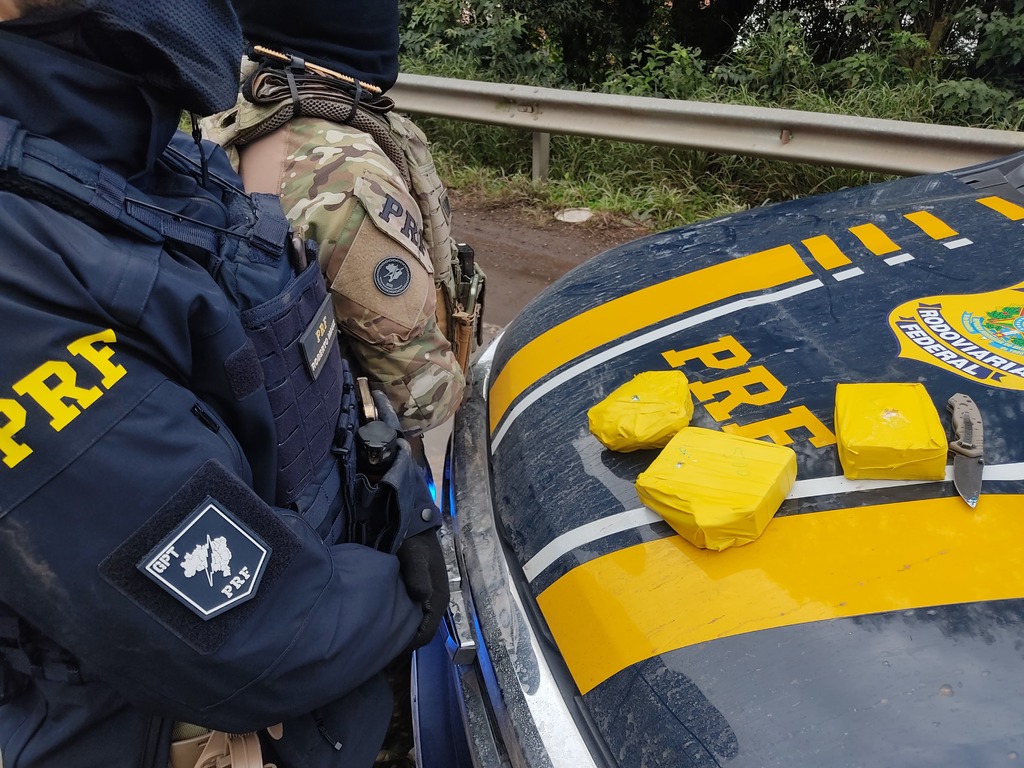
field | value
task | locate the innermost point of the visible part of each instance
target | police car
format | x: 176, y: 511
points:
x: 873, y: 623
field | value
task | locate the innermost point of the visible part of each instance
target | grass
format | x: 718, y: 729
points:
x: 656, y: 187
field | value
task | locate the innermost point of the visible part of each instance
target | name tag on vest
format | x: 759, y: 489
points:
x: 318, y: 338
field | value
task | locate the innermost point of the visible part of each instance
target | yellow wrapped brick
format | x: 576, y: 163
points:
x: 715, y: 489
x: 643, y: 413
x: 889, y: 432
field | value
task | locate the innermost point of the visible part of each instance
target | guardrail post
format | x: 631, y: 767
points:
x: 541, y: 155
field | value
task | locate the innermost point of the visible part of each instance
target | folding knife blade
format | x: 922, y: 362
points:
x: 967, y: 447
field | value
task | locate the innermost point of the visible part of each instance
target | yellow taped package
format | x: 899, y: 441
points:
x: 643, y: 413
x: 715, y: 489
x: 889, y: 432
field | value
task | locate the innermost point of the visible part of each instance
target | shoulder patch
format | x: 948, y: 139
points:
x: 394, y: 212
x: 392, y: 276
x: 210, y: 562
x: 212, y: 504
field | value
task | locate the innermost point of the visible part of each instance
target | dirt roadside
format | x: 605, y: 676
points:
x: 523, y: 251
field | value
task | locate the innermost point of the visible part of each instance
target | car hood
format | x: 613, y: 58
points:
x: 874, y: 622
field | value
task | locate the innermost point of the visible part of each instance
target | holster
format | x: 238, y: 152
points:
x: 391, y: 508
x: 464, y: 335
x: 460, y: 302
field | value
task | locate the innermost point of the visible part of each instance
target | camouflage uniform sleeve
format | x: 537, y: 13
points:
x: 342, y: 191
x: 422, y: 379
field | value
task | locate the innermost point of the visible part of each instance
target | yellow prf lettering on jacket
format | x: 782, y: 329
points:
x: 53, y: 386
x: 16, y: 416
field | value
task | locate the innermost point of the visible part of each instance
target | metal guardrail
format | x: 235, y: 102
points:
x: 887, y: 146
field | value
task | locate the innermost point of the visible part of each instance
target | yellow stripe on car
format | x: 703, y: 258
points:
x: 874, y: 239
x: 627, y: 314
x: 824, y: 251
x: 931, y: 224
x: 1012, y: 211
x: 648, y: 599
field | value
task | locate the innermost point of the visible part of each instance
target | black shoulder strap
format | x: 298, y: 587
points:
x: 51, y: 172
x: 47, y: 171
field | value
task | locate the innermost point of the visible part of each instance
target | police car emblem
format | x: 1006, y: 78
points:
x: 210, y: 562
x: 392, y: 276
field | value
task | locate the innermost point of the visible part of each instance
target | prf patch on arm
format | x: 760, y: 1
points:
x: 380, y: 278
x: 201, y: 564
x: 210, y: 562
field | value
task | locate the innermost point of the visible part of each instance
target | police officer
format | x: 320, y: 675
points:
x: 176, y: 424
x: 313, y: 124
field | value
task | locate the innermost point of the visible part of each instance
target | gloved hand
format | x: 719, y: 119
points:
x: 421, y: 563
x: 386, y: 411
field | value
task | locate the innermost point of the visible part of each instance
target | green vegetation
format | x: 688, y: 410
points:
x: 953, y: 62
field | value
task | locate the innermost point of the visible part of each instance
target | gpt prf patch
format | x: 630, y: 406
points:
x: 210, y: 562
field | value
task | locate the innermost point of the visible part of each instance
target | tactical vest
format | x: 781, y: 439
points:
x: 287, y: 90
x: 245, y: 244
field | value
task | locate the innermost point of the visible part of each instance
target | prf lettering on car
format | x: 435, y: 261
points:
x: 53, y: 386
x: 755, y: 386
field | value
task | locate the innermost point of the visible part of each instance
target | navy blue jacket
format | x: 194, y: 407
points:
x: 120, y: 421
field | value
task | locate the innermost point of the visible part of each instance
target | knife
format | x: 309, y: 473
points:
x: 967, y: 447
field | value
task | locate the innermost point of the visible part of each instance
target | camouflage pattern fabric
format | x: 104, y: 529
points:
x: 460, y: 323
x: 338, y: 188
x: 431, y: 196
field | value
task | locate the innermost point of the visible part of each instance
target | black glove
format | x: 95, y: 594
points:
x: 423, y: 570
x: 385, y: 410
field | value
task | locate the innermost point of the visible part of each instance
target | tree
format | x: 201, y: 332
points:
x: 1000, y: 46
x: 593, y: 39
x: 963, y: 38
x: 477, y: 38
x: 710, y: 26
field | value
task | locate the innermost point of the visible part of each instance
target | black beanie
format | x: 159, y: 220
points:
x: 358, y: 38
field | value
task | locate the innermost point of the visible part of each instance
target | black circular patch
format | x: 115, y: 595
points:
x: 392, y: 276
